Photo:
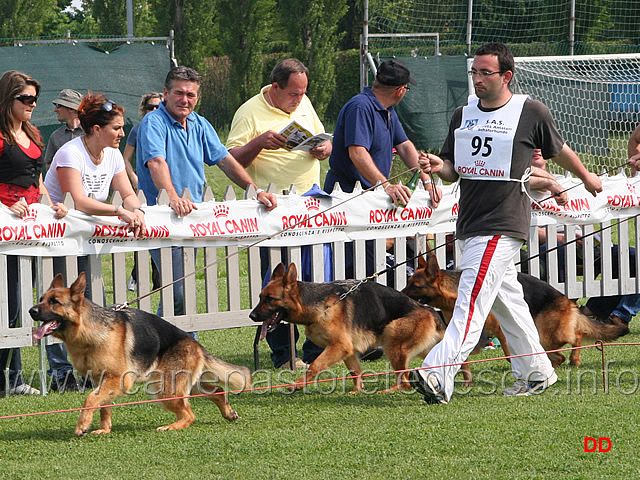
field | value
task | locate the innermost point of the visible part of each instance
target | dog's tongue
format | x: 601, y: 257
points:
x: 44, y: 330
x: 264, y: 330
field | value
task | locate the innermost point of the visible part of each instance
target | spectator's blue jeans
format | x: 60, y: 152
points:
x: 177, y: 265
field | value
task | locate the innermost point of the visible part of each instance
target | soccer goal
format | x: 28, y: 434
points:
x: 595, y: 101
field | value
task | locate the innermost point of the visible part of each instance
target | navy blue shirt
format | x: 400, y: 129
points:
x: 363, y: 121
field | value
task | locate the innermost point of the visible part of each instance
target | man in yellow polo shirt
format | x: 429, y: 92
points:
x: 254, y: 139
x: 255, y: 142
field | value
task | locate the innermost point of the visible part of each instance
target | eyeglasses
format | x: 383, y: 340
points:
x: 107, y: 106
x: 27, y: 99
x: 406, y: 87
x: 150, y: 106
x: 482, y: 73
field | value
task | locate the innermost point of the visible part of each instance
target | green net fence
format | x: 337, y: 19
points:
x: 122, y: 74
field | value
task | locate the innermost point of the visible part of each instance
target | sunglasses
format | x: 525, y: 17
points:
x: 150, y: 106
x: 107, y: 106
x: 27, y: 99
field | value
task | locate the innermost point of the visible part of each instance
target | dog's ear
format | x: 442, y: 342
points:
x: 278, y: 271
x: 292, y: 275
x: 422, y: 263
x: 433, y: 269
x: 57, y: 282
x: 77, y: 289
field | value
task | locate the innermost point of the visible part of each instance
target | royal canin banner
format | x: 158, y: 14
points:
x: 298, y: 220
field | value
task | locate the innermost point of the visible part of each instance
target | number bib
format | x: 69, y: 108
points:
x: 484, y: 140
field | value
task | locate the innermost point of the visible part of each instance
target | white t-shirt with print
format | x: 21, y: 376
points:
x: 96, y: 179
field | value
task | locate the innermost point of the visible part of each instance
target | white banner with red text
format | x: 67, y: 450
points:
x: 298, y: 220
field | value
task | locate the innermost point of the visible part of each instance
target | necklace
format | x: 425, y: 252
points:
x: 269, y: 99
x: 97, y: 157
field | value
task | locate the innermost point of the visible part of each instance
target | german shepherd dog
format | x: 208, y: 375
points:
x: 132, y: 346
x: 558, y: 319
x: 346, y: 318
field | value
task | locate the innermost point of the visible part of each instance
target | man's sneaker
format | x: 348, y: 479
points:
x: 24, y: 389
x: 427, y: 386
x: 523, y: 388
x: 132, y: 285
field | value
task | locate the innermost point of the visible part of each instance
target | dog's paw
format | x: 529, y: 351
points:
x: 101, y: 431
x: 233, y: 416
x: 80, y: 432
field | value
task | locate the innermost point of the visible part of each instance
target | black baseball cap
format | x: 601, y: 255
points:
x: 394, y: 73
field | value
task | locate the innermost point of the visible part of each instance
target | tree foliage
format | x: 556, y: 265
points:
x: 28, y: 18
x: 312, y: 30
x: 245, y: 28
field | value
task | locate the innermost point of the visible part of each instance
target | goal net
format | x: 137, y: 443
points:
x: 595, y: 101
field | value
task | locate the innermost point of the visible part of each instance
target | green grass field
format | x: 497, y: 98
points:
x: 328, y: 433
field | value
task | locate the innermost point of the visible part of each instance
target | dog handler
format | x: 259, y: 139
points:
x: 489, y: 150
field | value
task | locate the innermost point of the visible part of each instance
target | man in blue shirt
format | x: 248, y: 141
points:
x: 367, y: 131
x: 174, y: 143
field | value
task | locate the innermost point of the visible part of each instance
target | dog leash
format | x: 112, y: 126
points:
x: 606, y: 172
x: 125, y: 305
x: 532, y: 257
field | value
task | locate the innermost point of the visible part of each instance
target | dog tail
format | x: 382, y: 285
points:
x: 595, y: 330
x: 232, y: 376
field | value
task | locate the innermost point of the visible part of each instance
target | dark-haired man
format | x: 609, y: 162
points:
x: 497, y: 131
x: 174, y: 143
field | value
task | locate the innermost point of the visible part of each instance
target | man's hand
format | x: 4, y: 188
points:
x: 592, y: 183
x: 322, y: 151
x: 560, y: 195
x: 430, y: 163
x: 269, y: 200
x: 400, y: 194
x: 435, y: 192
x: 634, y: 161
x: 272, y: 140
x: 182, y: 206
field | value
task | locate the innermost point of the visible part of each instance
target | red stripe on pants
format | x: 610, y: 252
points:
x: 482, y: 273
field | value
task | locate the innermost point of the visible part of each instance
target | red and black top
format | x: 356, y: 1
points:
x: 20, y: 170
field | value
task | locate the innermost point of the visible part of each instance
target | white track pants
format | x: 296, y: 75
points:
x: 489, y: 283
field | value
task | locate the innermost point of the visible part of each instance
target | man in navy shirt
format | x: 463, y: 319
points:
x: 367, y: 131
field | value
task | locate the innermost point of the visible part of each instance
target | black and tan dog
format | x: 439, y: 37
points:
x: 558, y: 319
x: 346, y: 318
x: 132, y: 346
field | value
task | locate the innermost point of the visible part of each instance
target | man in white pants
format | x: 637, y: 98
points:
x: 489, y: 149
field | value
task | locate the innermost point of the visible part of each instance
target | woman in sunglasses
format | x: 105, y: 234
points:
x: 148, y: 103
x: 93, y: 163
x: 21, y: 163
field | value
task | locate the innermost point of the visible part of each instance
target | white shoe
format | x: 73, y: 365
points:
x: 523, y: 388
x: 132, y: 284
x: 24, y: 389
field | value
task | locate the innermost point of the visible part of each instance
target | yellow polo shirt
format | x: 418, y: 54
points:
x: 279, y: 167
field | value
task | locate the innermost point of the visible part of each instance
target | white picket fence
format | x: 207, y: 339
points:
x: 227, y: 304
